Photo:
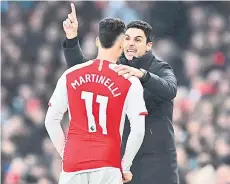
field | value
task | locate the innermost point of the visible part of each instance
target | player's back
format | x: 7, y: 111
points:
x: 96, y: 96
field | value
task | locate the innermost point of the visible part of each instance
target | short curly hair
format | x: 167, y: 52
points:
x: 144, y: 26
x: 109, y: 30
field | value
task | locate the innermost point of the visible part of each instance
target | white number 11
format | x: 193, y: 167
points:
x: 103, y: 101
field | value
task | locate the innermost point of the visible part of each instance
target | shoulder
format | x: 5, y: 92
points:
x: 72, y: 69
x: 158, y: 65
x: 135, y: 83
x: 78, y: 66
x: 134, y: 80
x: 112, y: 66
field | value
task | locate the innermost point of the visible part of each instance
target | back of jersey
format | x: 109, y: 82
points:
x: 96, y: 97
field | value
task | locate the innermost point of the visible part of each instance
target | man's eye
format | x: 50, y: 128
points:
x: 126, y: 38
x: 138, y: 40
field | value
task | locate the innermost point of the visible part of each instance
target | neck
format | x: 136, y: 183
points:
x: 107, y: 54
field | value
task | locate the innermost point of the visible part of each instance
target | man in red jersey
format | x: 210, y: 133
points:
x: 97, y: 100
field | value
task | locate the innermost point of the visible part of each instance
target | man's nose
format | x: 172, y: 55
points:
x: 131, y: 42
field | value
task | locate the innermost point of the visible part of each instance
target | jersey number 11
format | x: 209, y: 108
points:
x: 103, y: 101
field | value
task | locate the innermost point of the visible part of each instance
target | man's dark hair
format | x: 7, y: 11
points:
x: 144, y: 26
x: 109, y: 30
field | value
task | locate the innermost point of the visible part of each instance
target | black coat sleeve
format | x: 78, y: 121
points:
x: 72, y: 52
x: 162, y: 84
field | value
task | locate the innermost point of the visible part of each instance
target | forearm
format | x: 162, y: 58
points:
x: 72, y: 52
x: 134, y: 142
x: 70, y: 43
x: 54, y: 129
x: 164, y: 86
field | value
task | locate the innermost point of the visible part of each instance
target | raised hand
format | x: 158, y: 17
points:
x: 70, y: 25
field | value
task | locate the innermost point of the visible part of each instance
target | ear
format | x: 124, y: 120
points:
x: 97, y: 42
x: 122, y: 41
x: 149, y: 46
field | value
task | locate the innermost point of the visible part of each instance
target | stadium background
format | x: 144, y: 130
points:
x: 194, y: 37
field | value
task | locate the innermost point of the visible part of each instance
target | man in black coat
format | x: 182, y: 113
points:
x: 156, y: 161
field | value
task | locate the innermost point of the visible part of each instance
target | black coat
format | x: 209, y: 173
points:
x: 156, y: 161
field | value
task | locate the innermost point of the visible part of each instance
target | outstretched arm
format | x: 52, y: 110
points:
x: 71, y: 47
x: 163, y: 85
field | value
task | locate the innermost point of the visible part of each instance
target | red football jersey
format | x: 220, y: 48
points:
x: 97, y: 99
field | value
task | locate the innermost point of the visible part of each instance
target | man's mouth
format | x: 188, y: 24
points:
x: 131, y: 51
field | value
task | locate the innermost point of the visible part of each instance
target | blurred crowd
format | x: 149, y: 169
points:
x: 193, y: 37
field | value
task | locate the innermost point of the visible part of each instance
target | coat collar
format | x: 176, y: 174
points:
x: 138, y: 62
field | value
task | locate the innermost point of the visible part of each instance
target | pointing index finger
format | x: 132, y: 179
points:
x: 73, y: 11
